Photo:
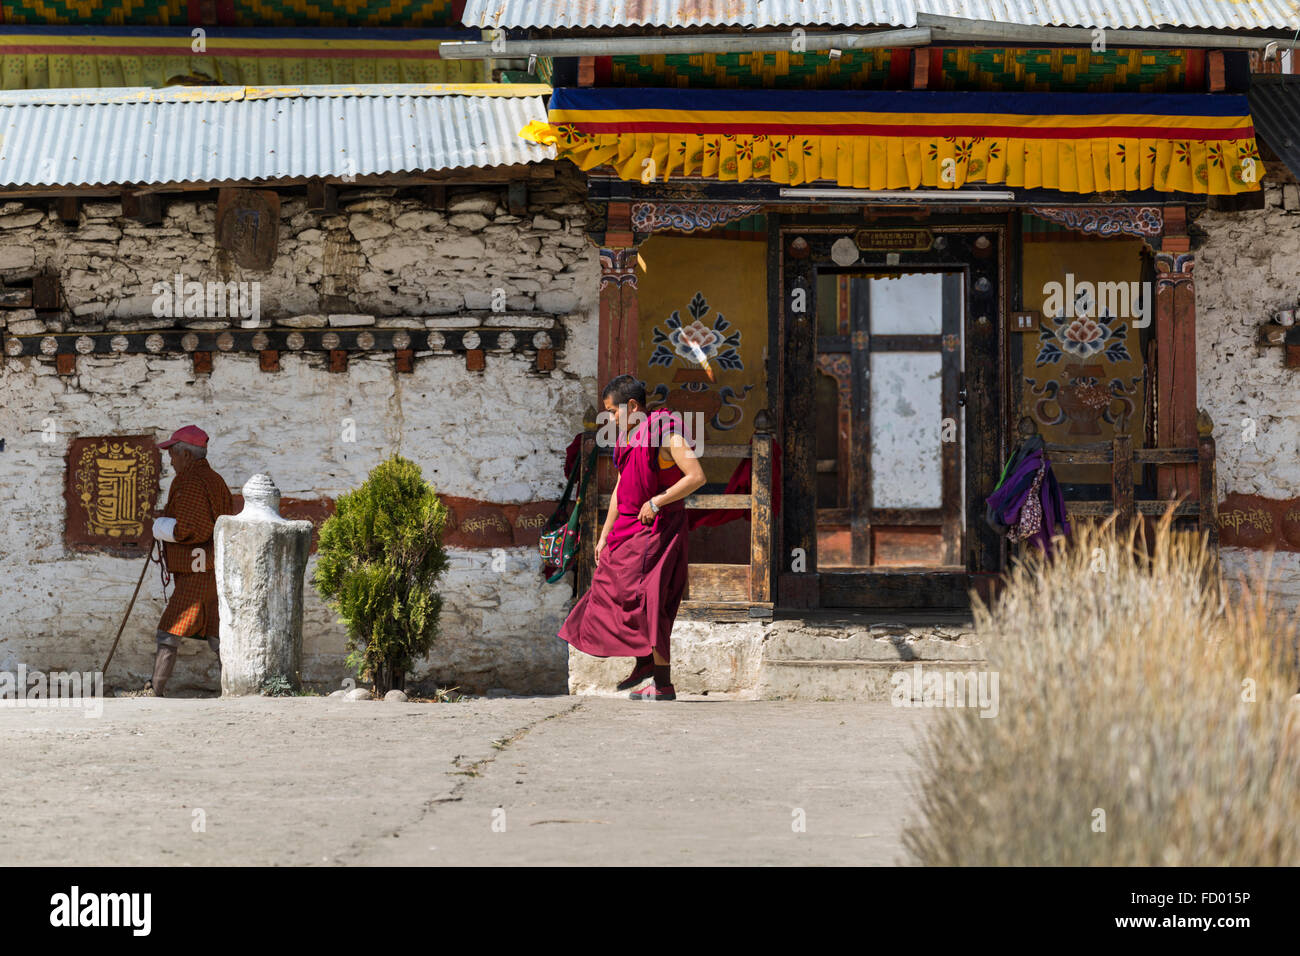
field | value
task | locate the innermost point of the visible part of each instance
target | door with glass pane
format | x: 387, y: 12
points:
x: 890, y: 423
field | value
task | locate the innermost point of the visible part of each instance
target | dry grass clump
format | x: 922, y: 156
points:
x: 1134, y: 685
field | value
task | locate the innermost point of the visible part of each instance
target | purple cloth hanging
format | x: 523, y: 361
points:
x: 1029, y: 503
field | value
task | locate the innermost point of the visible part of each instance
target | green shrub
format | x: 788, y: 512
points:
x: 277, y: 686
x: 379, y: 560
x: 1132, y: 682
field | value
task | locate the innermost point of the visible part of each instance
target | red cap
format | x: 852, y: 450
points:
x: 190, y: 434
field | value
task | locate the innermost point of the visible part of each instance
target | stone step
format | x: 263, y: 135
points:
x: 851, y: 679
x: 814, y: 657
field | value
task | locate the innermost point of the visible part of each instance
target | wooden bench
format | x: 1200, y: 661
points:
x: 1121, y: 456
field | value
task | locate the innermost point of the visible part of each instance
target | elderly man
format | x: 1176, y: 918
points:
x: 198, y: 496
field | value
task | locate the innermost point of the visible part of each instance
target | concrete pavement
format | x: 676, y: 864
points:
x: 539, y: 780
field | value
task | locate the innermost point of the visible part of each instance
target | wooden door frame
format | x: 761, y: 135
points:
x: 855, y: 341
x: 792, y: 284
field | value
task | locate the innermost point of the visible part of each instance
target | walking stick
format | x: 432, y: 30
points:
x: 148, y: 559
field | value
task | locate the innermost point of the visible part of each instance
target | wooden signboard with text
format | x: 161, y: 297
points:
x: 894, y: 240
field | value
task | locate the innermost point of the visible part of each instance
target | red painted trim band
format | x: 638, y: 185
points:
x: 867, y: 129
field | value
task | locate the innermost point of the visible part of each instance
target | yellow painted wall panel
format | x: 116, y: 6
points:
x: 710, y: 294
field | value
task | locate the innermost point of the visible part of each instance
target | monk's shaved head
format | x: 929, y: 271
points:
x: 624, y: 389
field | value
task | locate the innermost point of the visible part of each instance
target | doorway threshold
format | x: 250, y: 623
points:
x: 857, y: 617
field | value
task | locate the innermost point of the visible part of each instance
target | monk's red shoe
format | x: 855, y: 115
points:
x: 639, y: 673
x: 654, y: 692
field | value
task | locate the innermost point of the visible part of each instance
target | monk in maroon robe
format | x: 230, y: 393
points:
x: 641, y: 551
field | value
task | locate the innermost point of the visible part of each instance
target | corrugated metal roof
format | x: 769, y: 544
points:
x: 1112, y: 14
x: 1275, y: 107
x: 221, y: 134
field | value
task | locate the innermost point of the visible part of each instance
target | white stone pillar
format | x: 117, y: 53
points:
x: 261, y: 559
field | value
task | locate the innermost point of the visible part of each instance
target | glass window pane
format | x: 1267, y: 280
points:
x: 827, y: 303
x: 906, y: 424
x: 828, y: 441
x: 907, y: 304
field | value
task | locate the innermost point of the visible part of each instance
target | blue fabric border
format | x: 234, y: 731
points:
x: 902, y: 101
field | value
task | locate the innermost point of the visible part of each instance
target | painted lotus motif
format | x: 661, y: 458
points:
x: 1082, y: 337
x: 680, y: 340
x: 690, y: 341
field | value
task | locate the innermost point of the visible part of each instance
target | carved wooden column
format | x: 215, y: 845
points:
x: 617, y: 338
x: 618, y: 314
x: 1209, y: 485
x: 618, y: 303
x: 798, y: 584
x: 1175, y: 318
x: 760, y: 511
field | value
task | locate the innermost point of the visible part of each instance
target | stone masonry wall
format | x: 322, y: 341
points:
x: 1248, y: 267
x: 496, y: 435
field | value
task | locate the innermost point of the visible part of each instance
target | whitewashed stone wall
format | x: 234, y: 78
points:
x: 498, y: 435
x: 1248, y: 267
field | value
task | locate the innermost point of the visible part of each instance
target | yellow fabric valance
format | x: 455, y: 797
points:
x: 1078, y: 143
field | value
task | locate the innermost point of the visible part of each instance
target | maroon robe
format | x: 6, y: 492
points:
x: 634, y: 594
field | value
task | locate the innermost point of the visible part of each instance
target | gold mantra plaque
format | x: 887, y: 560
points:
x: 111, y: 488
